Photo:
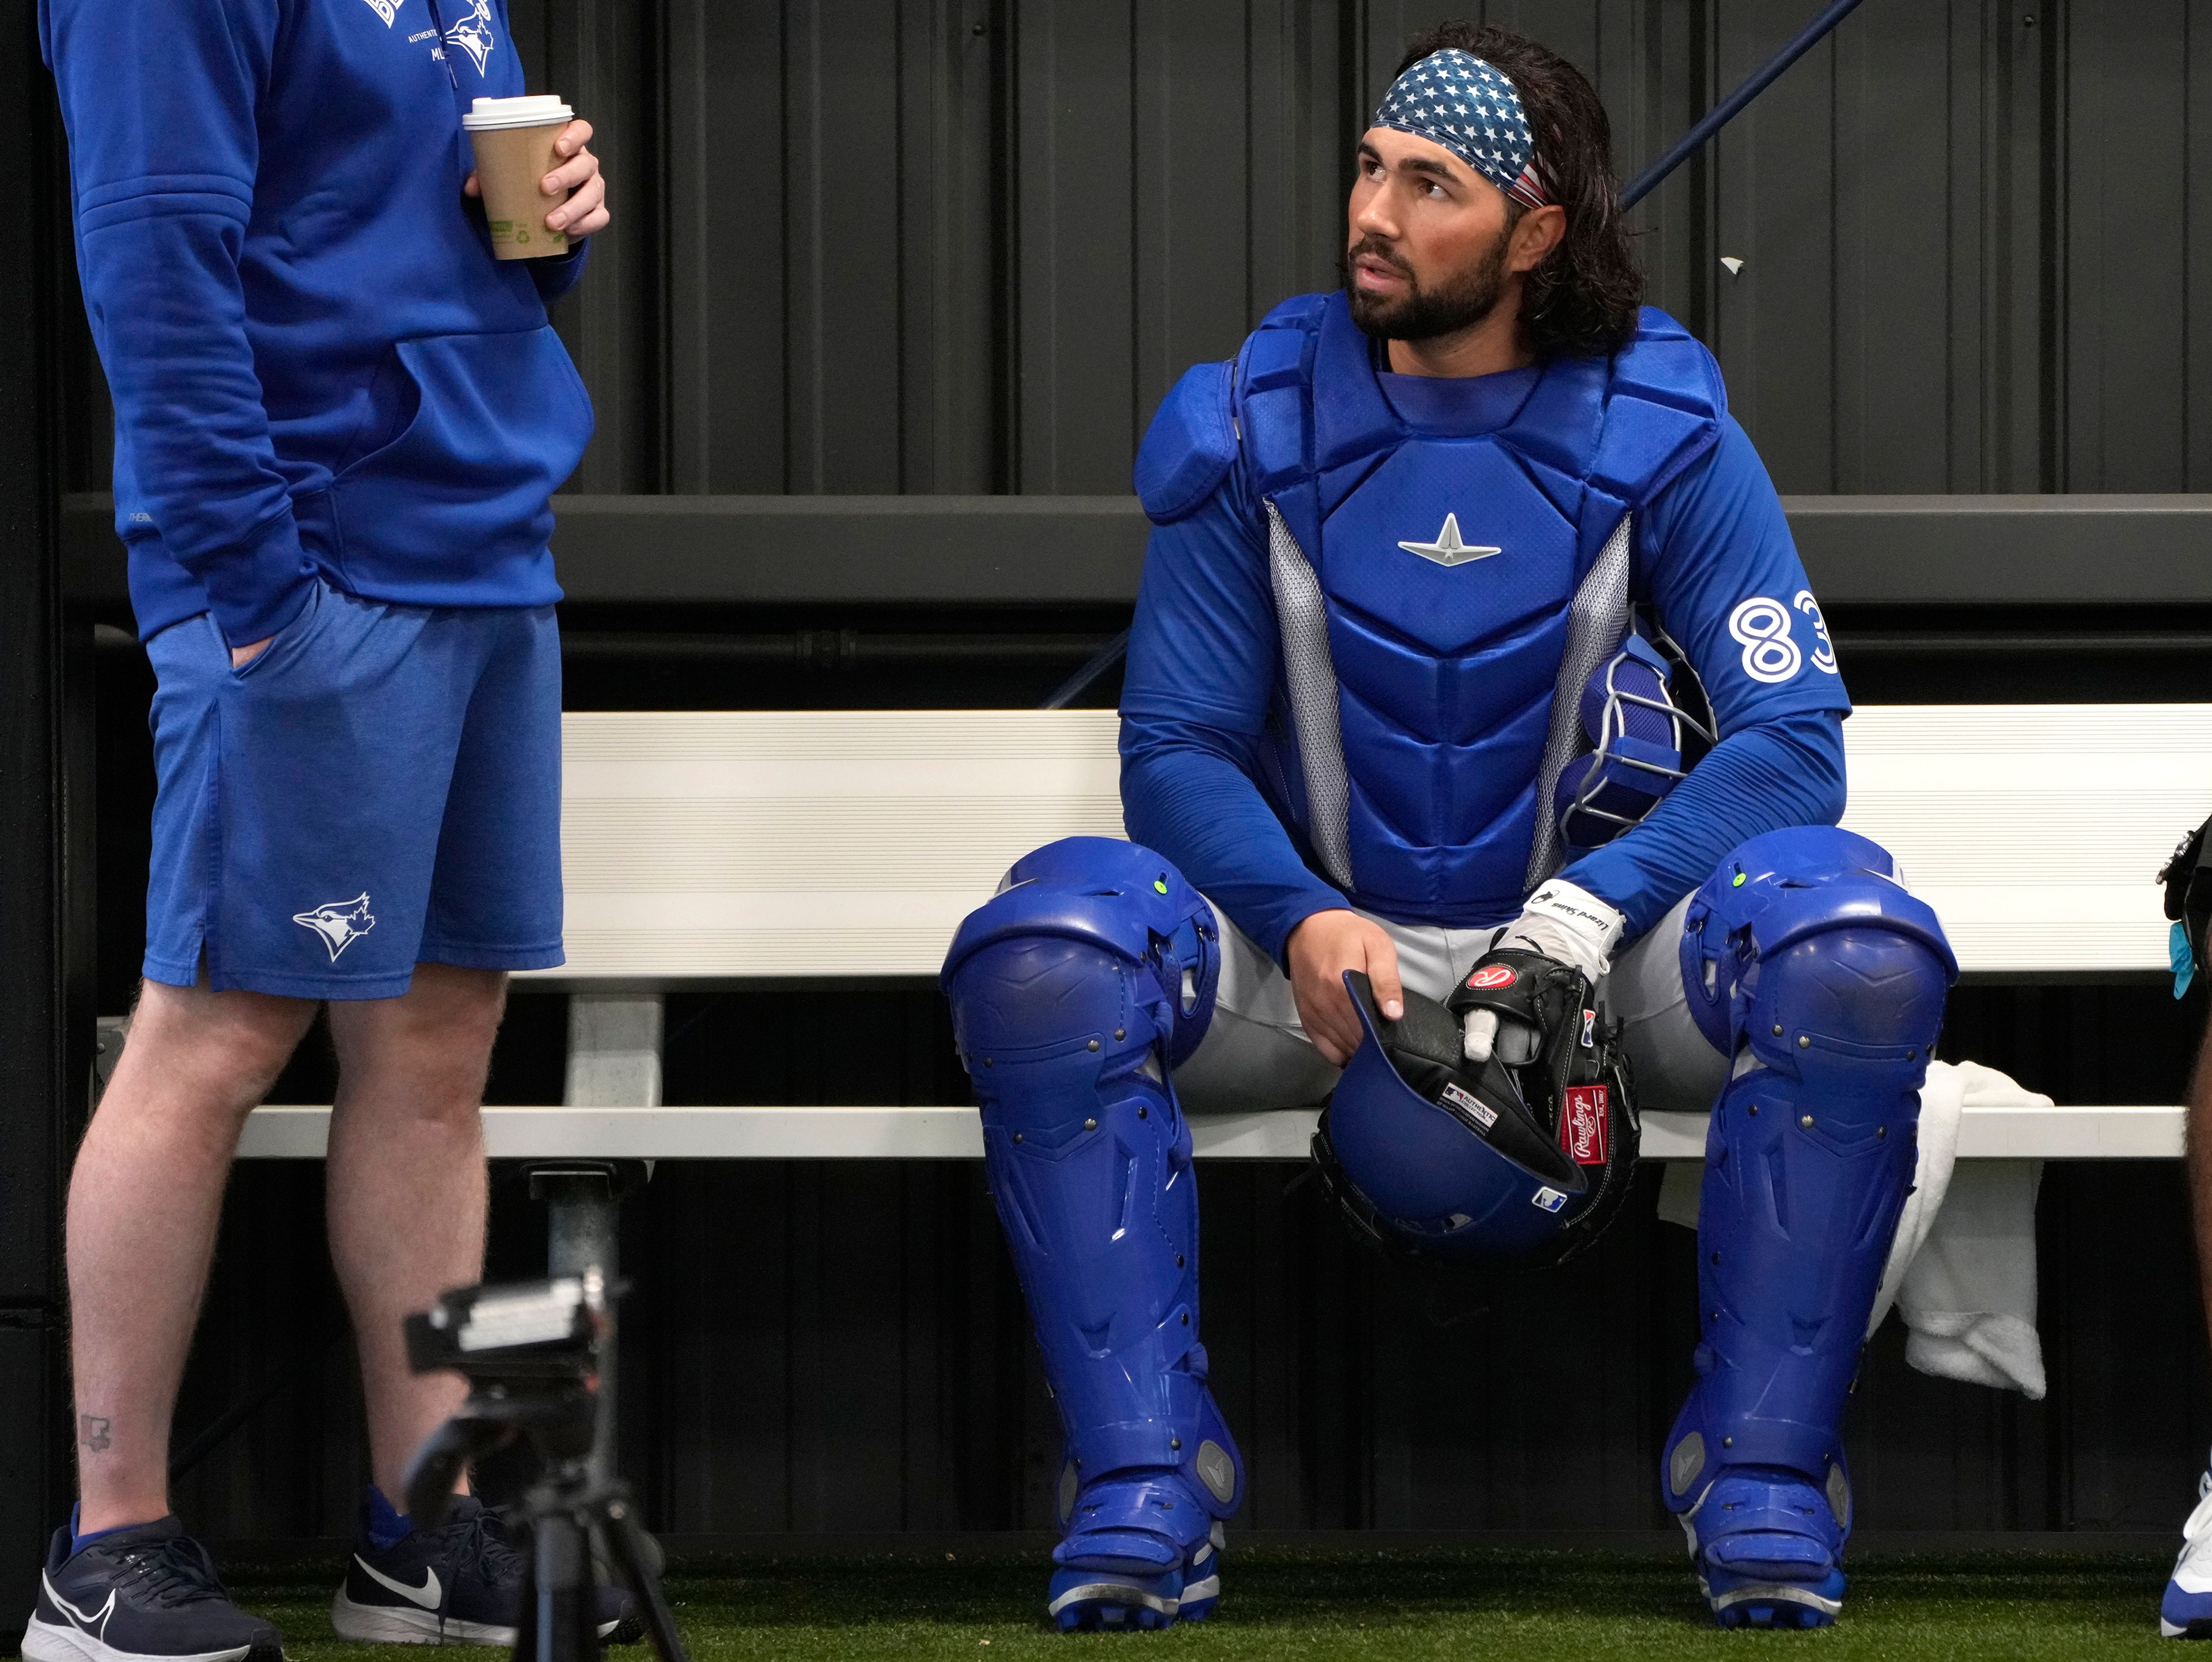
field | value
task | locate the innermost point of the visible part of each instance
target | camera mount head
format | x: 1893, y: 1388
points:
x: 530, y: 1352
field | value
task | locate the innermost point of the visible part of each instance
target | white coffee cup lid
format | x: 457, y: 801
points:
x: 538, y: 111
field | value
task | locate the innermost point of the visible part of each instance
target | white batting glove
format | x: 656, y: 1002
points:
x: 1571, y: 925
x: 1565, y: 923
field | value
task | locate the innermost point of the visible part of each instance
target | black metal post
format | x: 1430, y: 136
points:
x: 583, y: 1205
x: 43, y: 1077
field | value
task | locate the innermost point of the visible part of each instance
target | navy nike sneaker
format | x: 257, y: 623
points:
x: 458, y: 1584
x: 147, y: 1593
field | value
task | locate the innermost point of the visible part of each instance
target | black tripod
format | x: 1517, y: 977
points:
x: 530, y: 1353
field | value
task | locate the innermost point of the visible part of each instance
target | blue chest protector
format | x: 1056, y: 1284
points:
x: 1417, y: 733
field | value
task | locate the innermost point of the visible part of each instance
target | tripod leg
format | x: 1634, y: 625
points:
x: 561, y: 1605
x: 525, y: 1617
x: 632, y: 1553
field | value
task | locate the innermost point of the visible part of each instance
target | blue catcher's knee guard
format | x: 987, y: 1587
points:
x: 1807, y: 960
x: 1075, y: 991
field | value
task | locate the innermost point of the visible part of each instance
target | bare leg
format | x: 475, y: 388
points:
x: 406, y: 1180
x: 2200, y: 1168
x: 144, y: 1201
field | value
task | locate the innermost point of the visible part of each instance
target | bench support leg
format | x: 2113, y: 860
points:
x: 583, y: 1212
x: 614, y: 1050
x: 614, y: 1062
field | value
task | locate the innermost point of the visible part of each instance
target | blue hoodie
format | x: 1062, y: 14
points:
x: 316, y: 365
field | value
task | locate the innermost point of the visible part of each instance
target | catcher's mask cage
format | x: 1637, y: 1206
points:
x: 1645, y: 712
x: 1496, y: 1166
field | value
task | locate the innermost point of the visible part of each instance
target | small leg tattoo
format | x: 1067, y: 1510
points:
x: 93, y: 1433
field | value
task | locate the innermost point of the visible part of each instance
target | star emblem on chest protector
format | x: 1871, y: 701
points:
x: 1448, y: 550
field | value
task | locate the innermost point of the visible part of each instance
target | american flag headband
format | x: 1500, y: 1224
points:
x: 1468, y: 105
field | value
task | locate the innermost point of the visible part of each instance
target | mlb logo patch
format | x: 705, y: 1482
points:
x: 1582, y: 1125
x: 1470, y: 1106
x: 1547, y: 1199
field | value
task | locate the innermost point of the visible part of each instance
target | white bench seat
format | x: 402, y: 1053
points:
x: 954, y: 1133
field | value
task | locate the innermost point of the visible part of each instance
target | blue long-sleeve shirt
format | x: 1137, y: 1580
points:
x: 316, y: 364
x: 1204, y: 658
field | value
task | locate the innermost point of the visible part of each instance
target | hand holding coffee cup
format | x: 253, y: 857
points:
x: 541, y: 186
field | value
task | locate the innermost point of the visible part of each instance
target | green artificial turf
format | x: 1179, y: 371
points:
x: 1464, y: 1605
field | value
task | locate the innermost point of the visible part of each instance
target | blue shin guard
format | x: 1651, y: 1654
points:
x: 1075, y: 992
x: 1808, y: 962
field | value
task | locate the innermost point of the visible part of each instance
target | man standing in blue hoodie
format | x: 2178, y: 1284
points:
x: 338, y: 424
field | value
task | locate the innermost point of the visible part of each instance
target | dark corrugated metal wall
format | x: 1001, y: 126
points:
x: 870, y: 245
x: 963, y: 245
x: 960, y: 246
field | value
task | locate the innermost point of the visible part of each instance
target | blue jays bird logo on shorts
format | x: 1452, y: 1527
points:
x: 340, y: 923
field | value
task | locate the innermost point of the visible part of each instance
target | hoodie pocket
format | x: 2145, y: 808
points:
x: 499, y: 422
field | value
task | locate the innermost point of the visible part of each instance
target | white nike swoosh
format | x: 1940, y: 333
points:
x: 95, y: 1624
x: 427, y: 1595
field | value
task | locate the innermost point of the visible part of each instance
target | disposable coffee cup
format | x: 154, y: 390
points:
x: 513, y: 142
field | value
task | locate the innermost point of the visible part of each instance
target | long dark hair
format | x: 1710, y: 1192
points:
x: 1582, y: 299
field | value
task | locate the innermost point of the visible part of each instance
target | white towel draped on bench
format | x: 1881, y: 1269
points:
x: 1961, y: 1273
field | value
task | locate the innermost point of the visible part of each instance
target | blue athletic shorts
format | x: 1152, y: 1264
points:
x: 379, y: 787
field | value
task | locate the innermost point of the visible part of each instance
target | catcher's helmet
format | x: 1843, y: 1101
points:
x: 1645, y: 713
x: 1494, y: 1165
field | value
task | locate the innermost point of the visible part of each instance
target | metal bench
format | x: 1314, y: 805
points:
x: 713, y: 849
x: 707, y: 850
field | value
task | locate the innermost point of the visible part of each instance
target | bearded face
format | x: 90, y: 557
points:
x: 1426, y: 303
